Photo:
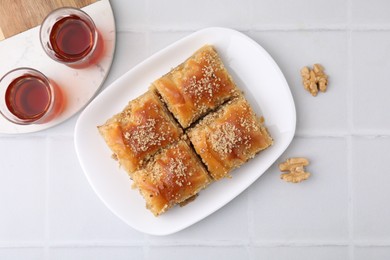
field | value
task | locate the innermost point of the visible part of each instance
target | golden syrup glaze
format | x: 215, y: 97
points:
x: 140, y: 130
x: 197, y: 86
x: 229, y: 137
x: 173, y: 176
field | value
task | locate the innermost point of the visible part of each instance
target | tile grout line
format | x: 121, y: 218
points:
x: 285, y: 27
x: 22, y: 244
x: 262, y: 28
x: 47, y: 189
x: 349, y: 102
x: 370, y: 244
x: 146, y: 246
x: 350, y: 199
x: 251, y: 220
x: 147, y: 29
x: 197, y: 243
x: 252, y: 16
x: 330, y: 243
x: 260, y: 243
x: 69, y: 243
x: 145, y: 251
x: 249, y: 202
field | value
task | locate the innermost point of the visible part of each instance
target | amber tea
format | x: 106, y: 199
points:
x: 28, y: 97
x: 68, y: 35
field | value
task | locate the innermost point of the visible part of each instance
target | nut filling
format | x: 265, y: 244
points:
x: 294, y: 170
x: 315, y: 79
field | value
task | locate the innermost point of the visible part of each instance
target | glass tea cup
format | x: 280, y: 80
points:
x: 28, y: 97
x: 68, y: 35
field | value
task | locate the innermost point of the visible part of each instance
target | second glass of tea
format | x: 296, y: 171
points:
x: 69, y: 36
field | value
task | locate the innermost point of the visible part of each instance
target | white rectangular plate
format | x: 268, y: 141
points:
x: 264, y: 86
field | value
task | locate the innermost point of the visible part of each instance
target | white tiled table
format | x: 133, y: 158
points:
x: 49, y: 211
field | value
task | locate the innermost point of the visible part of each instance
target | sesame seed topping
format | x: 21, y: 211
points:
x: 225, y: 138
x: 204, y: 86
x: 171, y: 168
x: 146, y: 127
x: 143, y: 136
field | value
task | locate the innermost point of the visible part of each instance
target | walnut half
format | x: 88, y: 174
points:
x: 294, y: 170
x: 315, y: 79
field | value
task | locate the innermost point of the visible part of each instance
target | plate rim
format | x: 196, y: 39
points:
x: 145, y: 62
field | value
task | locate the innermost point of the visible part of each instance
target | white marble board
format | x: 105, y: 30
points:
x: 78, y: 85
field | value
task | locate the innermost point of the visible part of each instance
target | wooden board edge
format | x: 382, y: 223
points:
x: 1, y: 35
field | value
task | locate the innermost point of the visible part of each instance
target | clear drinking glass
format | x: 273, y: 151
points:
x: 69, y: 36
x: 28, y: 97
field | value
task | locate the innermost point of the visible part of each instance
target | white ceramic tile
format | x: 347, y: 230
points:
x: 370, y: 12
x: 197, y: 252
x: 160, y: 40
x: 129, y: 14
x: 21, y: 253
x: 377, y: 253
x: 371, y: 189
x: 22, y: 188
x: 370, y: 67
x: 131, y: 50
x: 300, y: 253
x: 314, y: 210
x: 177, y: 14
x: 75, y: 212
x: 326, y: 113
x: 227, y: 224
x: 65, y: 128
x: 300, y: 13
x: 97, y: 253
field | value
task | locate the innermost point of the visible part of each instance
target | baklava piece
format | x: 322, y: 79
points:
x: 171, y: 177
x: 229, y: 137
x: 197, y: 86
x: 139, y: 131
